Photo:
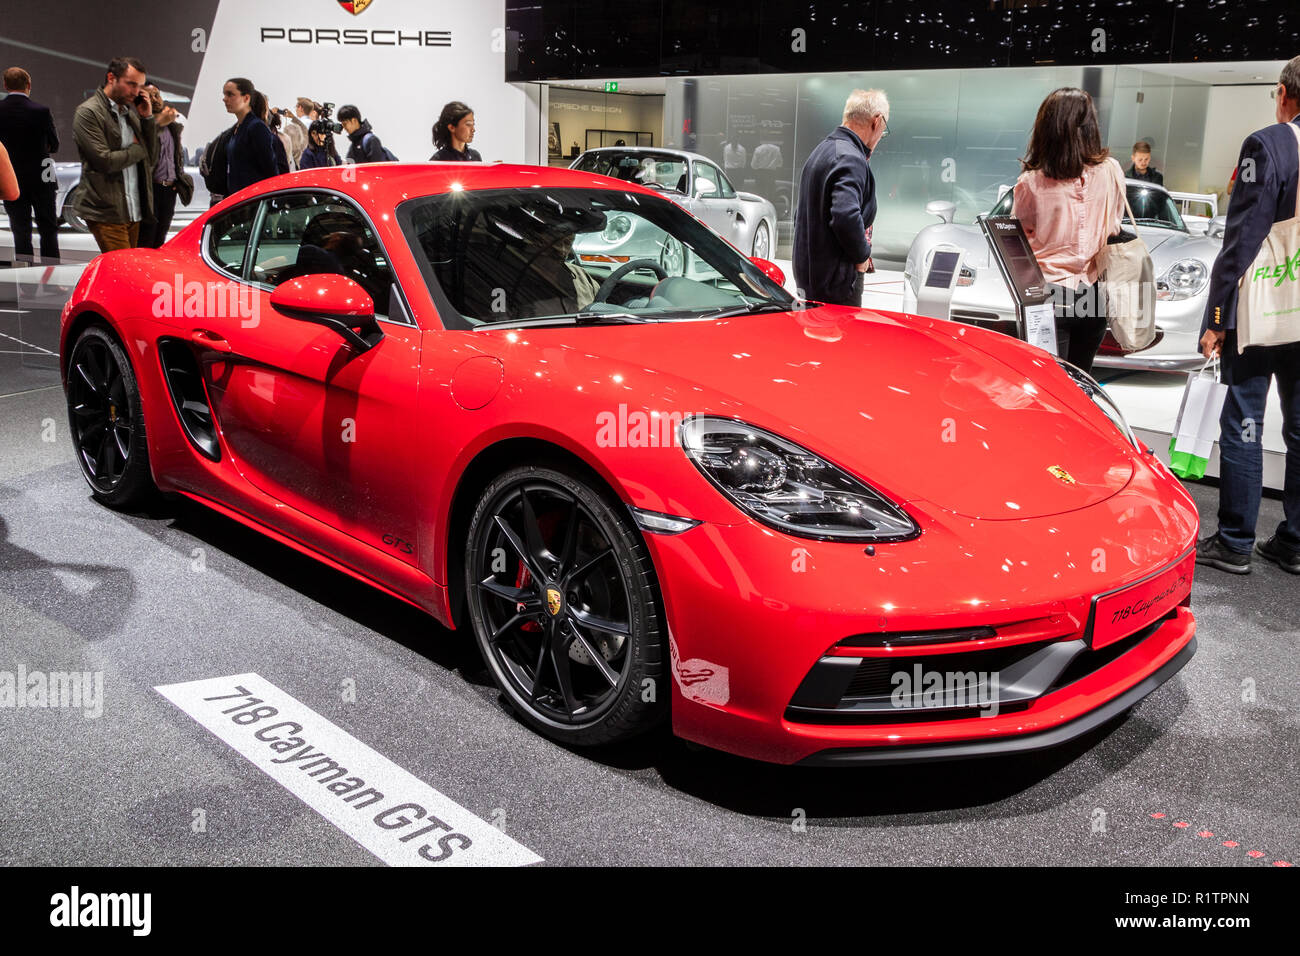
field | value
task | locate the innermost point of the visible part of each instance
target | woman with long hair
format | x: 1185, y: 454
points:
x: 1069, y: 199
x: 250, y: 150
x: 453, y: 133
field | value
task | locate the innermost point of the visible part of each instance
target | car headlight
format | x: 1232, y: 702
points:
x: 1184, y: 279
x: 1092, y: 388
x: 616, y: 228
x: 788, y: 487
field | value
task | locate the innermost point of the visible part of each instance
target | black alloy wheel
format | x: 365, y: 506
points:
x: 565, y: 607
x: 106, y: 418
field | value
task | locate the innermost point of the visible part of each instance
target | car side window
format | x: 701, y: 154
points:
x: 228, y: 236
x: 725, y: 189
x: 310, y: 233
x: 707, y: 174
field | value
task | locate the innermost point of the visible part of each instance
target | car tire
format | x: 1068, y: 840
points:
x: 674, y: 257
x: 548, y: 555
x: 73, y: 221
x: 762, y: 241
x: 112, y: 448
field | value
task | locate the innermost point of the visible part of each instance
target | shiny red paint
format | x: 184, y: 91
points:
x: 324, y: 294
x: 960, y: 427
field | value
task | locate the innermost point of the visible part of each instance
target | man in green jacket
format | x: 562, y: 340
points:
x: 117, y: 138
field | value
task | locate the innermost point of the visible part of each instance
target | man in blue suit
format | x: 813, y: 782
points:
x: 1267, y: 182
x: 27, y: 132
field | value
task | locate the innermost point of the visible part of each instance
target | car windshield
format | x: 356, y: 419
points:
x: 1151, y: 207
x: 656, y: 170
x: 540, y: 255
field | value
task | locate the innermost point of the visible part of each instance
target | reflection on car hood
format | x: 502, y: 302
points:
x: 906, y: 405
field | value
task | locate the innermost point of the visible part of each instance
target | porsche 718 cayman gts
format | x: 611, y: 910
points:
x: 800, y: 533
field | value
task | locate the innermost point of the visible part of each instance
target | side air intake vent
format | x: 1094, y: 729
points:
x: 185, y: 384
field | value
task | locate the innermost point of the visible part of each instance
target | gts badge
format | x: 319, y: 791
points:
x: 398, y: 544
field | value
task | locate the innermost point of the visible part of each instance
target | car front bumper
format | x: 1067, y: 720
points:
x: 753, y: 612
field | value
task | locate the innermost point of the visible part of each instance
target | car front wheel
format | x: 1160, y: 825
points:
x: 565, y: 607
x: 106, y: 417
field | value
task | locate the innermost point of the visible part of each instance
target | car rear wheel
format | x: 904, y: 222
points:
x: 565, y: 607
x: 106, y: 417
x: 762, y: 241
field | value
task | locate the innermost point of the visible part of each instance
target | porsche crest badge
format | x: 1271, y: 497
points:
x: 552, y: 601
x: 1061, y: 474
x: 354, y: 6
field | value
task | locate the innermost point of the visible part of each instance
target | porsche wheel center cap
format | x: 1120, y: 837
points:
x: 553, y: 601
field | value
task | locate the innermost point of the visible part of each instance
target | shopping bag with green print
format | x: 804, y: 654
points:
x: 1268, y: 295
x: 1197, y: 427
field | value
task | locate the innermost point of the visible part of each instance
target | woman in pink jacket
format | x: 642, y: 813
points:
x: 1069, y: 200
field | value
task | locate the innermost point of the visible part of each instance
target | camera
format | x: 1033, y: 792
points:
x: 323, y: 123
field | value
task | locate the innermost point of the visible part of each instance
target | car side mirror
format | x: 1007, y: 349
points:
x: 1217, y: 227
x: 942, y: 208
x: 769, y: 269
x: 334, y: 301
x: 704, y: 188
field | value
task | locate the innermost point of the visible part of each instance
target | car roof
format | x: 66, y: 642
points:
x: 648, y: 151
x: 388, y: 184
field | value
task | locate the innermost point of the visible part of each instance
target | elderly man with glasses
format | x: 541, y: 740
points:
x: 837, y: 204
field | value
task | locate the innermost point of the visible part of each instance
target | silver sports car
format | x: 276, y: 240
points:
x: 1182, y: 263
x: 745, y: 220
x: 68, y: 177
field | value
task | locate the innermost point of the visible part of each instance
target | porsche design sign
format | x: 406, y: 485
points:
x: 329, y: 36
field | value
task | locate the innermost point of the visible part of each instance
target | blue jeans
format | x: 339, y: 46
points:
x: 1242, y: 461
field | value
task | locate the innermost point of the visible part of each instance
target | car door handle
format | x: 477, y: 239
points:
x: 210, y: 340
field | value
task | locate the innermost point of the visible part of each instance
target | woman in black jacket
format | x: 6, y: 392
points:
x: 453, y: 133
x: 250, y: 150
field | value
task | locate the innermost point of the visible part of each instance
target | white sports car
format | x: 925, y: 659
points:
x: 696, y: 183
x: 1182, y: 261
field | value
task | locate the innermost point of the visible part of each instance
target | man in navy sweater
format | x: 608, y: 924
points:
x: 837, y: 204
x: 1268, y: 177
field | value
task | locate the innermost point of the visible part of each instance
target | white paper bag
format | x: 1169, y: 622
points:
x: 1197, y: 427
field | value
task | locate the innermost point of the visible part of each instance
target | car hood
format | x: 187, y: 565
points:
x: 907, y: 404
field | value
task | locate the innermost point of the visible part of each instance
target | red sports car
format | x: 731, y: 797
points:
x: 654, y: 487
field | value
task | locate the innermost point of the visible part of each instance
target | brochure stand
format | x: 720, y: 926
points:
x: 1036, y: 320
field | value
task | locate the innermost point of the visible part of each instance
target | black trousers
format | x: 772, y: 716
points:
x: 852, y: 298
x: 154, y: 234
x: 1080, y: 322
x: 34, y: 198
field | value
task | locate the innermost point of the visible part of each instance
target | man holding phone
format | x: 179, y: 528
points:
x: 117, y: 139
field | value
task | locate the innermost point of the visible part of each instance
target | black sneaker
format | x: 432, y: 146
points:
x: 1216, y: 554
x: 1279, y: 554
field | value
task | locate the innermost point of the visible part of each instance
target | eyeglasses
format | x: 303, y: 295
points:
x: 885, y: 123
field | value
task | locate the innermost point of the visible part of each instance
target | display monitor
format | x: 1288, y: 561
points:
x: 943, y: 265
x: 1011, y: 249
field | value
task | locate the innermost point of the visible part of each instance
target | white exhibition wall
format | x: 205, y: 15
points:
x: 340, y: 57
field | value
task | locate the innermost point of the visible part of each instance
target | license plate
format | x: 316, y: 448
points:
x: 1117, y: 615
